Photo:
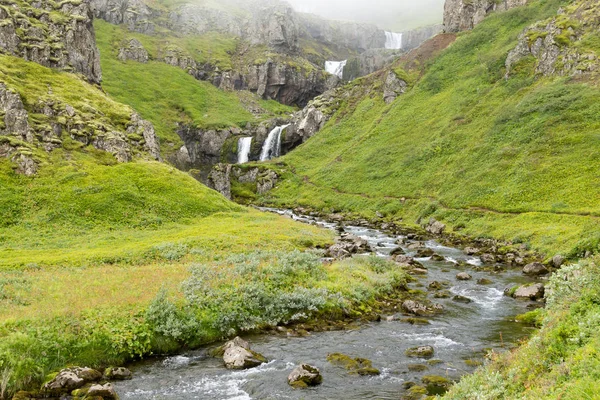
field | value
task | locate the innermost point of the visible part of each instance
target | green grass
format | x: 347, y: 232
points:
x: 562, y: 360
x: 514, y: 159
x: 166, y: 95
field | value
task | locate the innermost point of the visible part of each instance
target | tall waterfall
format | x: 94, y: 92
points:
x: 335, y: 67
x: 272, y: 146
x: 244, y: 145
x: 393, y: 41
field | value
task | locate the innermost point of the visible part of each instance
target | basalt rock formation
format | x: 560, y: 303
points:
x: 462, y: 15
x: 57, y: 35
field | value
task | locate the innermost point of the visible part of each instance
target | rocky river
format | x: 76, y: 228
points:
x: 477, y: 318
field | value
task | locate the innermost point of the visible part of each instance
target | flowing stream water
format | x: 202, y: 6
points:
x: 462, y: 332
x: 336, y: 67
x: 244, y: 147
x: 272, y: 146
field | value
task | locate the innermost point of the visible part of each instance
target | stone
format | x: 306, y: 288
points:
x: 304, y: 376
x: 397, y: 251
x: 462, y: 299
x: 558, y: 261
x: 488, y: 258
x: 463, y: 276
x: 535, y: 269
x: 219, y: 179
x: 437, y: 257
x: 484, y: 281
x: 105, y: 392
x: 70, y: 379
x: 471, y: 251
x: 134, y: 51
x: 420, y: 309
x: 435, y: 227
x: 238, y: 355
x: 531, y: 292
x: 117, y: 374
x: 424, y: 252
x: 420, y: 352
x: 393, y: 87
x: 436, y: 385
x: 360, y: 366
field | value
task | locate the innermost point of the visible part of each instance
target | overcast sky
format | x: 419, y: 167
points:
x: 394, y: 15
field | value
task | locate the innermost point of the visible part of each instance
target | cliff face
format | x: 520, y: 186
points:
x: 416, y: 37
x: 57, y: 35
x: 462, y: 15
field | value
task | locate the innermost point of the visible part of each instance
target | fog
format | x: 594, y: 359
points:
x: 396, y: 15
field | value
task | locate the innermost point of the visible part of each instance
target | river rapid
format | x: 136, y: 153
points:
x: 462, y: 332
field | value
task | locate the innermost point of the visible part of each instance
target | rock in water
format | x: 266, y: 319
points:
x: 238, y: 355
x: 532, y: 292
x: 463, y: 276
x: 304, y: 376
x: 420, y: 352
x: 535, y: 269
x: 117, y: 374
x: 105, y: 391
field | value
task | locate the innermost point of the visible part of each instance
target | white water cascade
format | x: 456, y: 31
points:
x: 393, y: 41
x: 335, y: 67
x: 244, y: 145
x: 272, y: 146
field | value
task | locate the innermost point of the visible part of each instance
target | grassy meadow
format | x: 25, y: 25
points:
x: 508, y: 158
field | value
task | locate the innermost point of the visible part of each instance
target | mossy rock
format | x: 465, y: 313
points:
x: 360, y: 366
x: 473, y: 363
x: 436, y: 385
x: 417, y: 367
x: 416, y: 321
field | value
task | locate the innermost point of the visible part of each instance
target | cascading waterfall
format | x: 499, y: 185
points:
x: 244, y: 146
x: 335, y: 67
x: 393, y: 41
x: 272, y: 147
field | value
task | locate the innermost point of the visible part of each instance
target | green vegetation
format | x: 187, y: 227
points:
x: 562, y: 361
x: 512, y: 159
x: 167, y: 95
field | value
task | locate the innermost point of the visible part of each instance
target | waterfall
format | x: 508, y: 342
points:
x: 335, y: 67
x: 244, y: 145
x: 393, y: 41
x: 272, y: 146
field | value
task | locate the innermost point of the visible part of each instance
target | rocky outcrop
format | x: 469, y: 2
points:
x: 535, y: 269
x: 368, y: 62
x: 221, y: 176
x: 134, y: 51
x: 72, y: 378
x: 54, y: 34
x: 416, y: 37
x: 135, y: 14
x: 219, y: 179
x: 18, y: 138
x: 462, y: 15
x: 354, y: 36
x: 304, y: 376
x: 393, y: 87
x: 552, y: 45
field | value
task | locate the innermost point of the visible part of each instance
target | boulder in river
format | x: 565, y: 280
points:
x: 463, y: 276
x: 424, y: 252
x: 238, y: 355
x: 462, y: 299
x: 437, y: 257
x: 488, y: 258
x: 436, y: 385
x: 397, y: 251
x: 484, y: 281
x: 106, y: 392
x: 420, y: 352
x: 421, y: 309
x: 117, y: 374
x: 360, y: 366
x: 471, y: 251
x: 535, y: 269
x: 304, y: 376
x: 532, y: 292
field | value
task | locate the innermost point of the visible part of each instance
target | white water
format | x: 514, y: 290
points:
x: 272, y: 146
x: 393, y: 41
x: 335, y: 67
x: 244, y: 145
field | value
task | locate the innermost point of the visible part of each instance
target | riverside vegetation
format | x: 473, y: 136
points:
x: 102, y: 263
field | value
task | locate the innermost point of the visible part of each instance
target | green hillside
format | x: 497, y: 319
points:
x: 510, y: 158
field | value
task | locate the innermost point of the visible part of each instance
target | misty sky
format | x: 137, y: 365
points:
x: 397, y: 15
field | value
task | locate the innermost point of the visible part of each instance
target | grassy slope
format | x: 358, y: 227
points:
x: 87, y: 243
x: 167, y: 95
x: 513, y: 158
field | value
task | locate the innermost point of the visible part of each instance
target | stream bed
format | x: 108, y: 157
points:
x: 462, y: 332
